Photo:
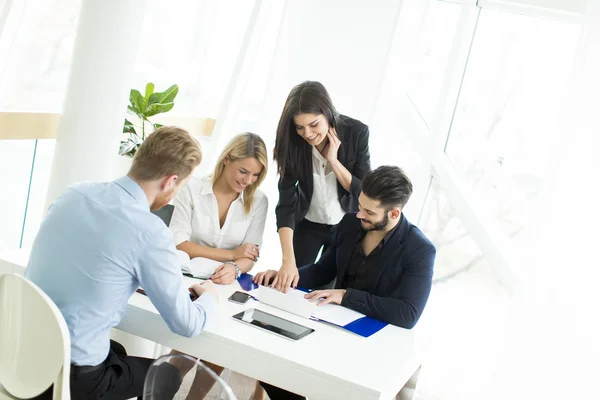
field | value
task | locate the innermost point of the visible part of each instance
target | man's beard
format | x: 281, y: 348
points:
x: 162, y: 200
x: 377, y: 226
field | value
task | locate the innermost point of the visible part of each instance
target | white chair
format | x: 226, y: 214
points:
x: 179, y: 376
x: 35, y: 347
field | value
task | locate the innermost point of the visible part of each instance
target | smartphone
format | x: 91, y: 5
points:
x: 239, y: 297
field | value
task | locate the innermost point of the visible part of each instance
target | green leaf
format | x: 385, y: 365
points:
x: 128, y: 127
x: 154, y: 109
x: 126, y: 147
x: 149, y: 90
x: 164, y: 97
x: 138, y: 102
x: 156, y: 126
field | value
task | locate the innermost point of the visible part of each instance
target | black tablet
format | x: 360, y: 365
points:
x: 273, y: 324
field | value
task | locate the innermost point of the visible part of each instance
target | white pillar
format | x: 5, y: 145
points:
x: 90, y: 129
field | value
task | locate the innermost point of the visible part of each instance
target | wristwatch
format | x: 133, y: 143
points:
x: 238, y: 271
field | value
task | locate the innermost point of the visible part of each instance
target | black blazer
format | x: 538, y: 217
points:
x: 398, y: 289
x: 295, y: 193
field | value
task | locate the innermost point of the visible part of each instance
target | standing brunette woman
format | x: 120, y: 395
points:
x: 322, y: 157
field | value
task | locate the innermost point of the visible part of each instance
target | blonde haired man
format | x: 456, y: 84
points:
x: 98, y: 243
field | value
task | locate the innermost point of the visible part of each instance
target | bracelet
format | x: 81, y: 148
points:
x: 238, y: 271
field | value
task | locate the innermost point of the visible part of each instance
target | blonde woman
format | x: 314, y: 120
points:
x: 222, y: 216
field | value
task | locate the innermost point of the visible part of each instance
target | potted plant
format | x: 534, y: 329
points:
x: 142, y: 108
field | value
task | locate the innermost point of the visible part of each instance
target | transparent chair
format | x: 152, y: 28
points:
x: 179, y: 377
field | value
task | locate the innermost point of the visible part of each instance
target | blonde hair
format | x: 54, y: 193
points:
x: 166, y: 151
x: 242, y: 146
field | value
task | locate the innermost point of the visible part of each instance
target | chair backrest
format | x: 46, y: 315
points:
x: 179, y: 376
x: 35, y: 347
x: 165, y: 213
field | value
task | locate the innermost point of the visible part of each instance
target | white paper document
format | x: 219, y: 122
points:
x: 294, y: 302
x: 336, y: 314
x: 198, y: 267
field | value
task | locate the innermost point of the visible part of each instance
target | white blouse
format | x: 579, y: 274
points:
x: 196, y: 218
x: 324, y: 206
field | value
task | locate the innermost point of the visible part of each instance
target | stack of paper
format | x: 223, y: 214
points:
x: 294, y: 302
x: 336, y: 314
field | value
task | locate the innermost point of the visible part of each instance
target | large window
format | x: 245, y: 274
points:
x: 194, y: 44
x: 40, y: 177
x: 496, y: 120
x: 250, y: 111
x: 38, y: 60
x: 410, y: 91
x: 191, y: 43
x: 457, y: 253
x: 505, y: 118
x: 15, y: 163
x: 427, y: 36
x: 26, y: 166
x: 466, y: 311
x: 497, y: 143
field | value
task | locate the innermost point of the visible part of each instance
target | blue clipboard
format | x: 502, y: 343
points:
x: 365, y: 326
x: 246, y: 282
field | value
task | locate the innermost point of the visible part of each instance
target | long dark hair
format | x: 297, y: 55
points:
x: 291, y: 151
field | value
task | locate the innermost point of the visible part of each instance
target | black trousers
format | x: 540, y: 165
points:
x: 276, y: 393
x: 309, y: 237
x: 119, y: 377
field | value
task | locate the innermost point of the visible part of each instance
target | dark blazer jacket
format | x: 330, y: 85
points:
x: 398, y: 289
x: 295, y: 193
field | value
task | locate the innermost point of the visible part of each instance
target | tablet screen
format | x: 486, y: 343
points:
x: 273, y: 324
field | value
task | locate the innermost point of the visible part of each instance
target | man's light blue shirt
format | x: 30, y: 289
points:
x: 97, y: 244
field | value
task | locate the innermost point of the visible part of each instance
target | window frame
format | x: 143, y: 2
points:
x: 431, y: 141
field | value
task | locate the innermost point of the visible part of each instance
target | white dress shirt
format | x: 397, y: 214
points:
x: 324, y: 206
x: 196, y: 218
x: 98, y: 243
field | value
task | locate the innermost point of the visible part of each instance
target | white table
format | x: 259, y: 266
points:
x: 328, y: 364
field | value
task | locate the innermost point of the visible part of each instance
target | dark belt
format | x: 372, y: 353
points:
x: 85, y: 369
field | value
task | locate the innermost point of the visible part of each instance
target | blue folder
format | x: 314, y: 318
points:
x: 246, y: 282
x: 365, y: 326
